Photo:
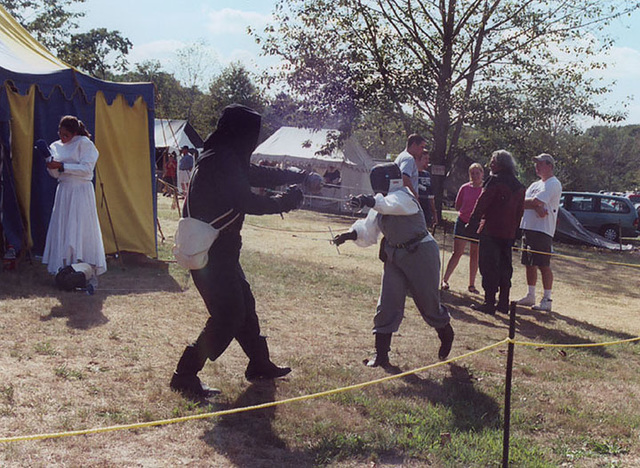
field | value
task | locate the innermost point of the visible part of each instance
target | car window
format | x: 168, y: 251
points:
x: 581, y: 203
x: 612, y: 205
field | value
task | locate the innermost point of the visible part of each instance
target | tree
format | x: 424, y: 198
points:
x: 426, y: 60
x: 233, y: 85
x: 98, y: 52
x: 171, y: 98
x: 53, y: 23
x: 195, y: 61
x: 50, y: 21
x: 612, y: 156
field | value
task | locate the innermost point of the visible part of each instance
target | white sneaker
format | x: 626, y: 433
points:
x: 527, y: 300
x: 545, y: 304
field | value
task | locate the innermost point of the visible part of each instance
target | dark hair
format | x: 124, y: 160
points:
x: 74, y: 125
x: 415, y: 139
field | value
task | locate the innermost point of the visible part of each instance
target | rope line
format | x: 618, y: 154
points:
x: 553, y: 254
x: 270, y: 404
x: 289, y: 231
x: 164, y: 422
x: 576, y: 345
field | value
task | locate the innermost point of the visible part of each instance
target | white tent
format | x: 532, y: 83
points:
x: 302, y: 148
x: 175, y: 134
x: 171, y: 135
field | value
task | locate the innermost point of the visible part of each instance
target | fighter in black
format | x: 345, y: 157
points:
x: 221, y: 184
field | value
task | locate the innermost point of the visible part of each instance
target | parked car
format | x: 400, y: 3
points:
x: 634, y: 197
x: 610, y: 216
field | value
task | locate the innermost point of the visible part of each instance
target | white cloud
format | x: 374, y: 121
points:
x: 163, y: 51
x: 230, y: 21
x: 622, y: 63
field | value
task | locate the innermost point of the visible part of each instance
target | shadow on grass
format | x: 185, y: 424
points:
x: 536, y: 325
x: 472, y: 409
x: 81, y: 310
x: 84, y: 311
x: 248, y: 439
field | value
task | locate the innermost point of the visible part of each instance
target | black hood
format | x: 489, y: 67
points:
x: 237, y: 130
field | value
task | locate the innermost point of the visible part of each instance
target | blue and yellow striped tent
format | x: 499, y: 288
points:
x: 38, y: 89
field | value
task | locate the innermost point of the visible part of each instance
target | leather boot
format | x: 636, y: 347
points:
x: 260, y: 366
x: 446, y: 340
x: 503, y: 301
x: 383, y: 346
x: 185, y: 379
x: 489, y: 305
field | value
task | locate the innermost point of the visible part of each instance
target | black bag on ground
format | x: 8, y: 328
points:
x: 69, y: 279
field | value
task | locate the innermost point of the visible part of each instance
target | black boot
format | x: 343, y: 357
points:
x: 488, y: 306
x: 446, y: 340
x: 185, y: 379
x: 503, y: 306
x: 260, y: 366
x: 381, y: 358
x: 503, y: 301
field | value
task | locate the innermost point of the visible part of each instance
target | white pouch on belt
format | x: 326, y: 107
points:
x: 193, y: 239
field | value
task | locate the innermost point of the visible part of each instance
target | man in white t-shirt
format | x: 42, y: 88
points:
x: 541, y: 205
x: 408, y: 160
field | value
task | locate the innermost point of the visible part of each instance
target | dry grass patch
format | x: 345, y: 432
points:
x: 72, y: 361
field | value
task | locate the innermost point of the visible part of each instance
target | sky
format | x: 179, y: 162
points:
x: 159, y: 28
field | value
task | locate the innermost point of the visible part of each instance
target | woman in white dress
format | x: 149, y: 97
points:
x: 74, y: 234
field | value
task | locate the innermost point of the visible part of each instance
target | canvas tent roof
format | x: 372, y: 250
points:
x: 37, y: 89
x: 176, y: 133
x: 293, y: 146
x: 302, y: 147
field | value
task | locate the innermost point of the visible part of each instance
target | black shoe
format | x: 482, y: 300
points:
x: 446, y: 340
x: 502, y: 308
x: 484, y: 308
x: 191, y: 386
x: 265, y: 372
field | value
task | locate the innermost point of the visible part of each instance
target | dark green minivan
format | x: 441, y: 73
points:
x: 610, y: 216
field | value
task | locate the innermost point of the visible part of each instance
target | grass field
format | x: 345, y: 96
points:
x: 72, y: 362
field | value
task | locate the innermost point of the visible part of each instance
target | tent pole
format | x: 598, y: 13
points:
x: 103, y: 199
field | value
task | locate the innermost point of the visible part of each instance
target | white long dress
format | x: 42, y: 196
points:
x: 74, y: 230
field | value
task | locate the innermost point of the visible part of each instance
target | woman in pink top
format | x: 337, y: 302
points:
x: 465, y: 202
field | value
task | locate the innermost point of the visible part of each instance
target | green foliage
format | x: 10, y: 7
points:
x: 443, y: 63
x: 172, y: 99
x: 50, y: 22
x: 53, y: 23
x: 91, y: 51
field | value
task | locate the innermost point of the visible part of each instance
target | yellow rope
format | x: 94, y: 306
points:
x: 577, y: 345
x: 194, y: 417
x: 246, y: 408
x: 551, y: 254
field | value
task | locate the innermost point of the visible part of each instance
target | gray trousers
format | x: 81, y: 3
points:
x: 417, y: 271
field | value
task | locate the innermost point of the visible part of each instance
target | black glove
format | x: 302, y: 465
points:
x: 360, y: 201
x: 345, y: 236
x: 43, y: 148
x: 291, y: 199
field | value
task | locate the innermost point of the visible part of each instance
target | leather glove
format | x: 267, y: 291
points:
x: 360, y: 201
x: 43, y: 148
x: 291, y: 199
x: 345, y: 236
